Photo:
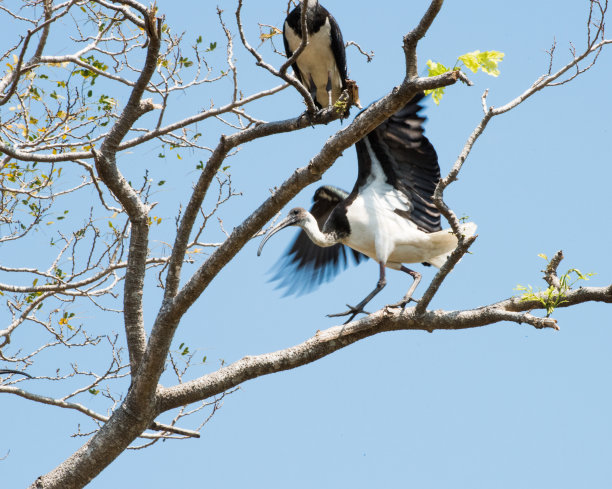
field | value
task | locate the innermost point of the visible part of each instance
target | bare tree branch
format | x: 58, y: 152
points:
x: 88, y: 412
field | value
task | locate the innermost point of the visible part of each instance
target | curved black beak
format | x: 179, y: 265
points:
x: 19, y: 372
x: 288, y: 221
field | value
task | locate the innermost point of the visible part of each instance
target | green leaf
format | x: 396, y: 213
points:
x: 487, y: 61
x: 435, y: 69
x: 470, y: 60
x: 436, y: 94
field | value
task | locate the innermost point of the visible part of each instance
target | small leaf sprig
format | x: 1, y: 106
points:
x: 553, y: 297
x: 487, y: 61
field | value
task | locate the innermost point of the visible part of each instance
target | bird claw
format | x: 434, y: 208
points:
x: 353, y: 311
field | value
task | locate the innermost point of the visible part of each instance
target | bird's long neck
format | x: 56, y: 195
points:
x: 319, y: 238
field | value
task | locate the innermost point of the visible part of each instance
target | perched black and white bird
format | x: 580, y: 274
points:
x: 389, y: 215
x: 321, y: 66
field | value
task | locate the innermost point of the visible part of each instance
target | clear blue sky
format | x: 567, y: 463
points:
x: 501, y: 407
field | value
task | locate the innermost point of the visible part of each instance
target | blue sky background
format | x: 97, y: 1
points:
x: 505, y: 406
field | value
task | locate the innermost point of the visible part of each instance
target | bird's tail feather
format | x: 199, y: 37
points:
x: 445, y: 239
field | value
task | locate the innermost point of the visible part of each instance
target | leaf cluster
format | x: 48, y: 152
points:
x: 487, y: 61
x: 553, y: 297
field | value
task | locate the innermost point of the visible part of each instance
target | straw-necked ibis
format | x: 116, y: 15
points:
x: 389, y: 215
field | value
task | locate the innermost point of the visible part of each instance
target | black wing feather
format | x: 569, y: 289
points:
x: 306, y: 265
x: 409, y: 161
x: 337, y: 46
x: 293, y: 19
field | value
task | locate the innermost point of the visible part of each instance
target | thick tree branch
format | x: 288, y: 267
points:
x: 136, y: 210
x: 389, y: 319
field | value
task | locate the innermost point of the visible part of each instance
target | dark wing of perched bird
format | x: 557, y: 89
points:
x: 337, y: 46
x: 306, y: 265
x: 409, y: 161
x: 293, y: 20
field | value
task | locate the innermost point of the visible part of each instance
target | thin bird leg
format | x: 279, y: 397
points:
x: 313, y: 88
x: 353, y: 311
x: 328, y: 87
x: 408, y: 297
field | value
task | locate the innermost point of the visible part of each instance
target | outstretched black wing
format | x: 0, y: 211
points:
x: 306, y: 265
x: 409, y: 161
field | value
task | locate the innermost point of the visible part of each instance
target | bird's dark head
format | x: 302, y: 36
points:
x: 310, y: 4
x: 296, y: 217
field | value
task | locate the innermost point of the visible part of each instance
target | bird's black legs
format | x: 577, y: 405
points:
x: 353, y: 311
x: 328, y: 87
x: 382, y: 281
x: 313, y: 89
x: 408, y: 297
